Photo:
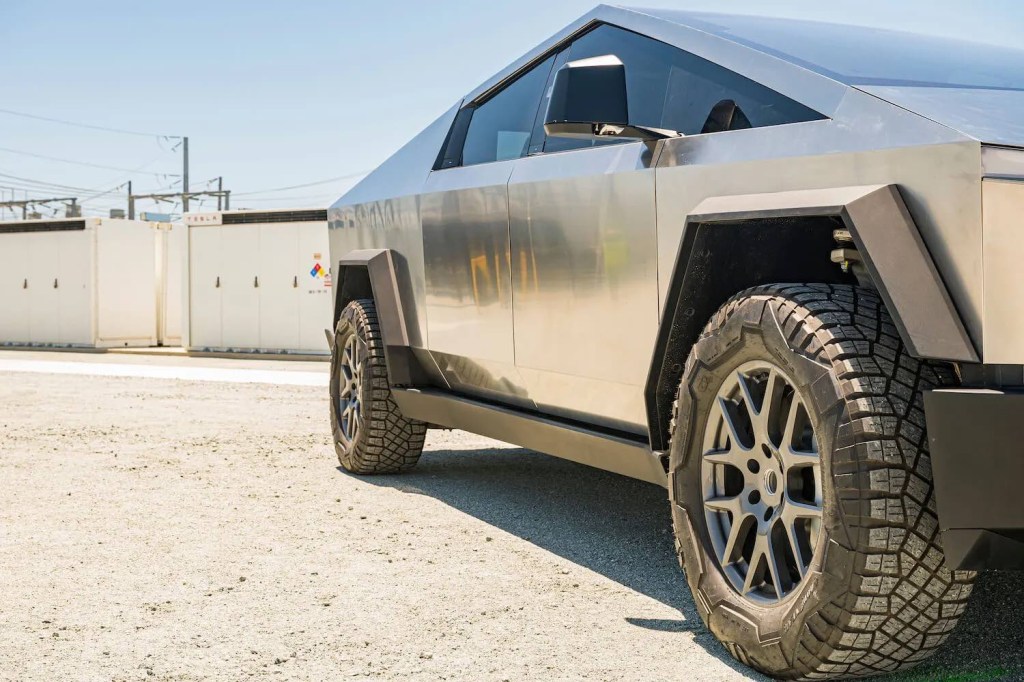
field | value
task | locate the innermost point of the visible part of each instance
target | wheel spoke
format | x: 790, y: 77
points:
x: 791, y: 457
x: 737, y: 534
x: 748, y: 399
x: 730, y: 423
x: 794, y: 546
x: 773, y: 565
x: 769, y: 404
x: 754, y: 567
x: 725, y: 504
x: 731, y: 457
x: 800, y: 510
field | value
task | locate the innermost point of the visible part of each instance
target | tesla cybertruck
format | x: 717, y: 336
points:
x: 774, y: 266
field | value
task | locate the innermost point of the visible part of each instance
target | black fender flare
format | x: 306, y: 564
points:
x: 373, y: 273
x: 884, y: 233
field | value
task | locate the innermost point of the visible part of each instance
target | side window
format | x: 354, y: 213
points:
x: 500, y: 127
x: 675, y: 90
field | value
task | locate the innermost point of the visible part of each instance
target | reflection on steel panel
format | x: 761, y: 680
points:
x: 468, y: 287
x: 584, y: 277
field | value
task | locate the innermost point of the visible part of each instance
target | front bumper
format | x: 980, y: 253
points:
x: 977, y: 451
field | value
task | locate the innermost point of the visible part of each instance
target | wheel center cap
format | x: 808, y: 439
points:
x: 771, y: 482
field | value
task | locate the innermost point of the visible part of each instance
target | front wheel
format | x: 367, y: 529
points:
x: 371, y: 436
x: 802, y: 488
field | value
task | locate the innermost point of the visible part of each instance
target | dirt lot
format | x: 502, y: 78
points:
x: 154, y: 528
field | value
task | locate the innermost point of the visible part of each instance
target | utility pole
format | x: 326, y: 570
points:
x: 184, y: 176
x: 220, y: 188
x: 131, y: 202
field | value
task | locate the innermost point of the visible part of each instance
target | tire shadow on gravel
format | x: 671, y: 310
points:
x: 613, y: 525
x: 988, y: 644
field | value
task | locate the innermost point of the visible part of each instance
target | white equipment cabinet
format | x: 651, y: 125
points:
x: 78, y: 283
x: 259, y: 281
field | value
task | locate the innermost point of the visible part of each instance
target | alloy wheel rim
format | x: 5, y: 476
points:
x: 761, y: 483
x: 349, y: 391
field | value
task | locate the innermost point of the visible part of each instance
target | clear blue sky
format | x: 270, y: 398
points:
x: 279, y: 94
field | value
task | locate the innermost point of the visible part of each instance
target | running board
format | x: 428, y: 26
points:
x: 543, y: 434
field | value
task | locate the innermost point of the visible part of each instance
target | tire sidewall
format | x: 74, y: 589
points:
x: 763, y: 636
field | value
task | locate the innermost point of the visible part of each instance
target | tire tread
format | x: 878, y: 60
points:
x: 902, y: 602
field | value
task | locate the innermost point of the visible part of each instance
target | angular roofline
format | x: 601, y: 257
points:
x: 815, y: 90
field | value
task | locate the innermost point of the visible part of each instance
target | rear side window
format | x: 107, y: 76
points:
x: 675, y: 90
x: 500, y: 127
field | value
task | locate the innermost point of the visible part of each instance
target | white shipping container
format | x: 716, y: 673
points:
x: 78, y: 282
x: 259, y: 281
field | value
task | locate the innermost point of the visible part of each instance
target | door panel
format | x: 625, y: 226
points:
x: 468, y: 278
x: 44, y: 306
x: 240, y: 260
x: 585, y: 281
x: 74, y: 295
x: 14, y: 272
x: 278, y: 298
x: 205, y: 300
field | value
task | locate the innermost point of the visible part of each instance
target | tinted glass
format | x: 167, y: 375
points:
x: 869, y: 56
x: 675, y: 90
x: 501, y: 127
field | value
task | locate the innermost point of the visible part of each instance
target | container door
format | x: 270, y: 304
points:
x: 74, y: 286
x: 278, y: 290
x: 205, y: 274
x: 43, y: 280
x: 14, y: 304
x: 240, y: 255
x: 315, y: 301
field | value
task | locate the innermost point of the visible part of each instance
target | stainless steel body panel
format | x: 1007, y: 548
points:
x: 539, y: 283
x: 937, y: 170
x: 383, y: 211
x: 584, y: 281
x: 1004, y: 271
x: 464, y: 213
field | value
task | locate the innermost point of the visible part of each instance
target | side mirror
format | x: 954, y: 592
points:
x: 589, y: 100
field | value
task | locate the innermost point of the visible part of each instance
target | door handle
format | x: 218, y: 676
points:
x: 217, y: 286
x: 55, y: 283
x: 256, y: 281
x: 24, y: 285
x: 295, y: 282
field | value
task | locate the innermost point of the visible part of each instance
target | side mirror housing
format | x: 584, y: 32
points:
x: 589, y: 100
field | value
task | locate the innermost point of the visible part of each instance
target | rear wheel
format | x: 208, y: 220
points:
x: 371, y: 436
x: 801, y: 487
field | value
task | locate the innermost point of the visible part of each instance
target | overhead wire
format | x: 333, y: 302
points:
x: 350, y: 176
x: 89, y: 126
x: 85, y: 163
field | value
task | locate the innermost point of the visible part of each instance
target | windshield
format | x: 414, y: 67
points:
x: 859, y: 56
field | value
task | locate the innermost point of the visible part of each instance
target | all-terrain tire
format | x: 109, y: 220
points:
x: 385, y: 442
x: 877, y: 596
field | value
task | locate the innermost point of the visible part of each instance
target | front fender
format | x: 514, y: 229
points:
x: 786, y: 237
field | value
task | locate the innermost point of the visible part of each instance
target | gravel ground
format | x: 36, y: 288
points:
x: 179, y: 530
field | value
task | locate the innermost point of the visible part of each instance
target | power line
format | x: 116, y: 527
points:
x: 308, y: 184
x: 86, y: 125
x: 291, y: 198
x: 86, y: 163
x: 42, y: 184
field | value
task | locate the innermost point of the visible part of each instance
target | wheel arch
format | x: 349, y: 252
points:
x: 373, y: 274
x: 788, y: 237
